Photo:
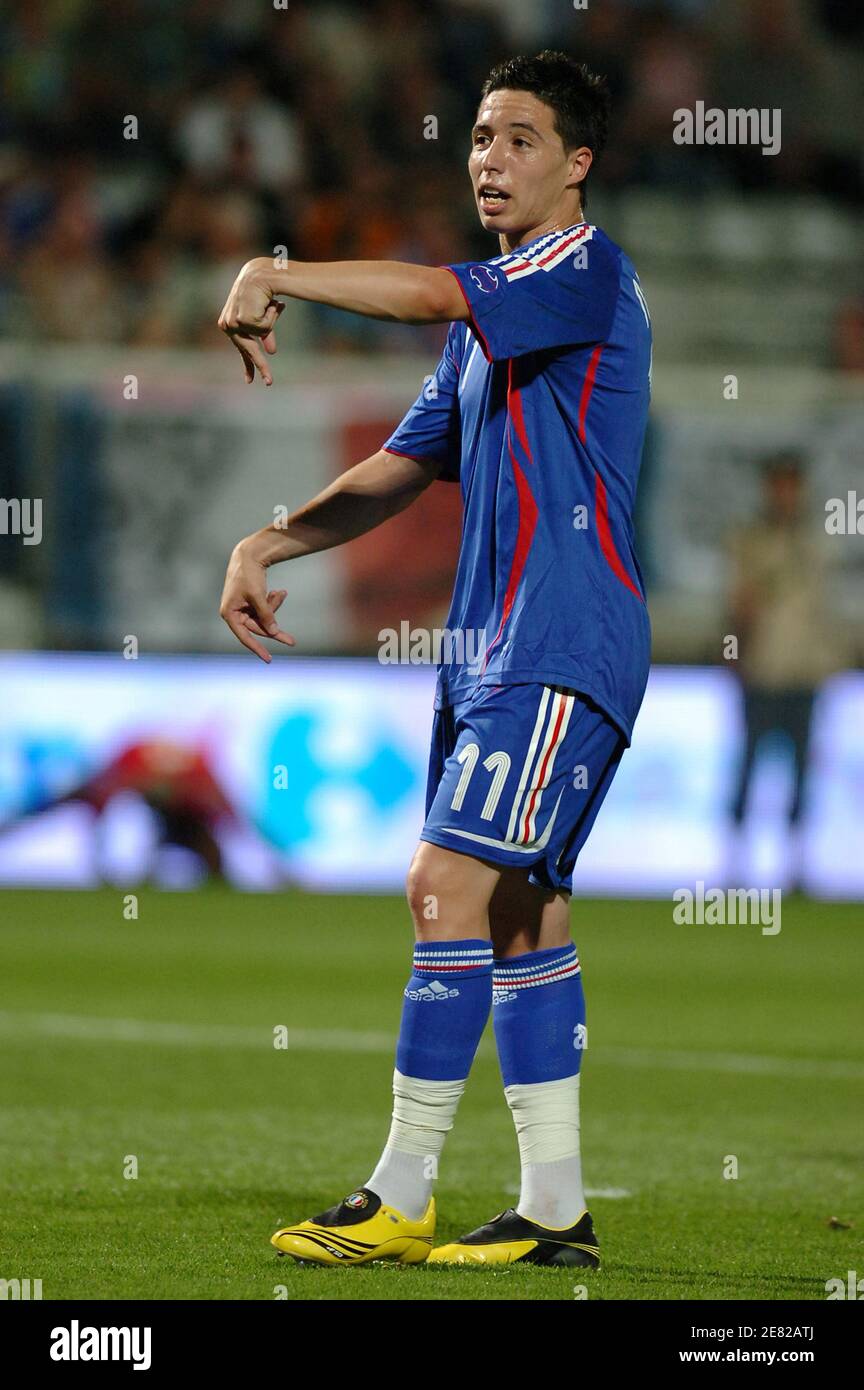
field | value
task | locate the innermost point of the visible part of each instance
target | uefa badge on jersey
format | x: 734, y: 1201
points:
x: 484, y: 278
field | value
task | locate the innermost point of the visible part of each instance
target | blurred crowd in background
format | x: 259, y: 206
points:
x: 148, y: 148
x: 305, y: 127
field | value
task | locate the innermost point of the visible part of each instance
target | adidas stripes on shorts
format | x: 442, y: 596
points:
x: 517, y: 774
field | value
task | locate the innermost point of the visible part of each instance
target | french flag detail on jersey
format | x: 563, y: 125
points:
x: 439, y: 957
x: 537, y: 245
x: 546, y: 258
x: 545, y: 972
x: 538, y: 249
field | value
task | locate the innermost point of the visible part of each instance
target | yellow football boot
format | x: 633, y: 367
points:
x: 357, y: 1230
x: 510, y: 1239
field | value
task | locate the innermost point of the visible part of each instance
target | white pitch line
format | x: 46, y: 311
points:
x: 609, y: 1194
x: 85, y: 1028
x: 740, y: 1063
x: 90, y: 1028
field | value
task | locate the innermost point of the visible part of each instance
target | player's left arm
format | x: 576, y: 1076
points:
x: 392, y: 290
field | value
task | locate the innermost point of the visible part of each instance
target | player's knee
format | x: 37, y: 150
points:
x: 436, y: 904
x: 421, y: 888
x: 448, y: 894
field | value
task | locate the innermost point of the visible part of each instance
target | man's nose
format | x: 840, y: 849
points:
x: 491, y: 160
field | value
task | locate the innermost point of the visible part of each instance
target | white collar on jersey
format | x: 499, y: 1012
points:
x: 537, y: 241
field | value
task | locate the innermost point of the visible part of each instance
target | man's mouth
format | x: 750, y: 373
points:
x: 491, y: 197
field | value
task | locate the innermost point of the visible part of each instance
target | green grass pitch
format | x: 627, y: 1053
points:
x: 154, y: 1039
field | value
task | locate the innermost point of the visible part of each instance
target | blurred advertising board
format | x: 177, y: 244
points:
x: 312, y: 772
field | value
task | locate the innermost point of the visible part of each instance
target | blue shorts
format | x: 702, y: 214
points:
x: 517, y: 775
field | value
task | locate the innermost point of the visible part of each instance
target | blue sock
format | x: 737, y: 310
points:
x: 539, y: 1015
x: 447, y: 1003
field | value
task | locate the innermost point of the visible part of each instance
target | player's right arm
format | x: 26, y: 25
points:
x: 357, y: 501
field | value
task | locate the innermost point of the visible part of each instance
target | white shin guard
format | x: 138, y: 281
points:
x: 546, y: 1116
x: 423, y: 1115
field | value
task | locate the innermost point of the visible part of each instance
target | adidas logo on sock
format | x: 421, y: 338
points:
x: 503, y: 996
x: 434, y: 990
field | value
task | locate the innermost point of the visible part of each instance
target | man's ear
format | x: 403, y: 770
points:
x: 579, y: 161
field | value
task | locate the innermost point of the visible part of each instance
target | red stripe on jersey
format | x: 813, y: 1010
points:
x: 514, y: 410
x: 417, y: 458
x: 604, y: 533
x: 527, y: 526
x: 518, y: 265
x: 527, y: 505
x: 556, y: 250
x: 553, y: 251
x: 587, y: 388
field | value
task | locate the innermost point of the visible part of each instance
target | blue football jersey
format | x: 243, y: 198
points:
x: 538, y: 408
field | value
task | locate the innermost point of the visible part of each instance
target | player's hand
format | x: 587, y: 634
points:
x: 249, y: 318
x: 249, y: 607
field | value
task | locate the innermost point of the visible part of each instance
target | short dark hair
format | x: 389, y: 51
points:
x: 580, y: 98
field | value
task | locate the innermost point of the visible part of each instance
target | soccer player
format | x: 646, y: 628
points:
x: 538, y: 409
